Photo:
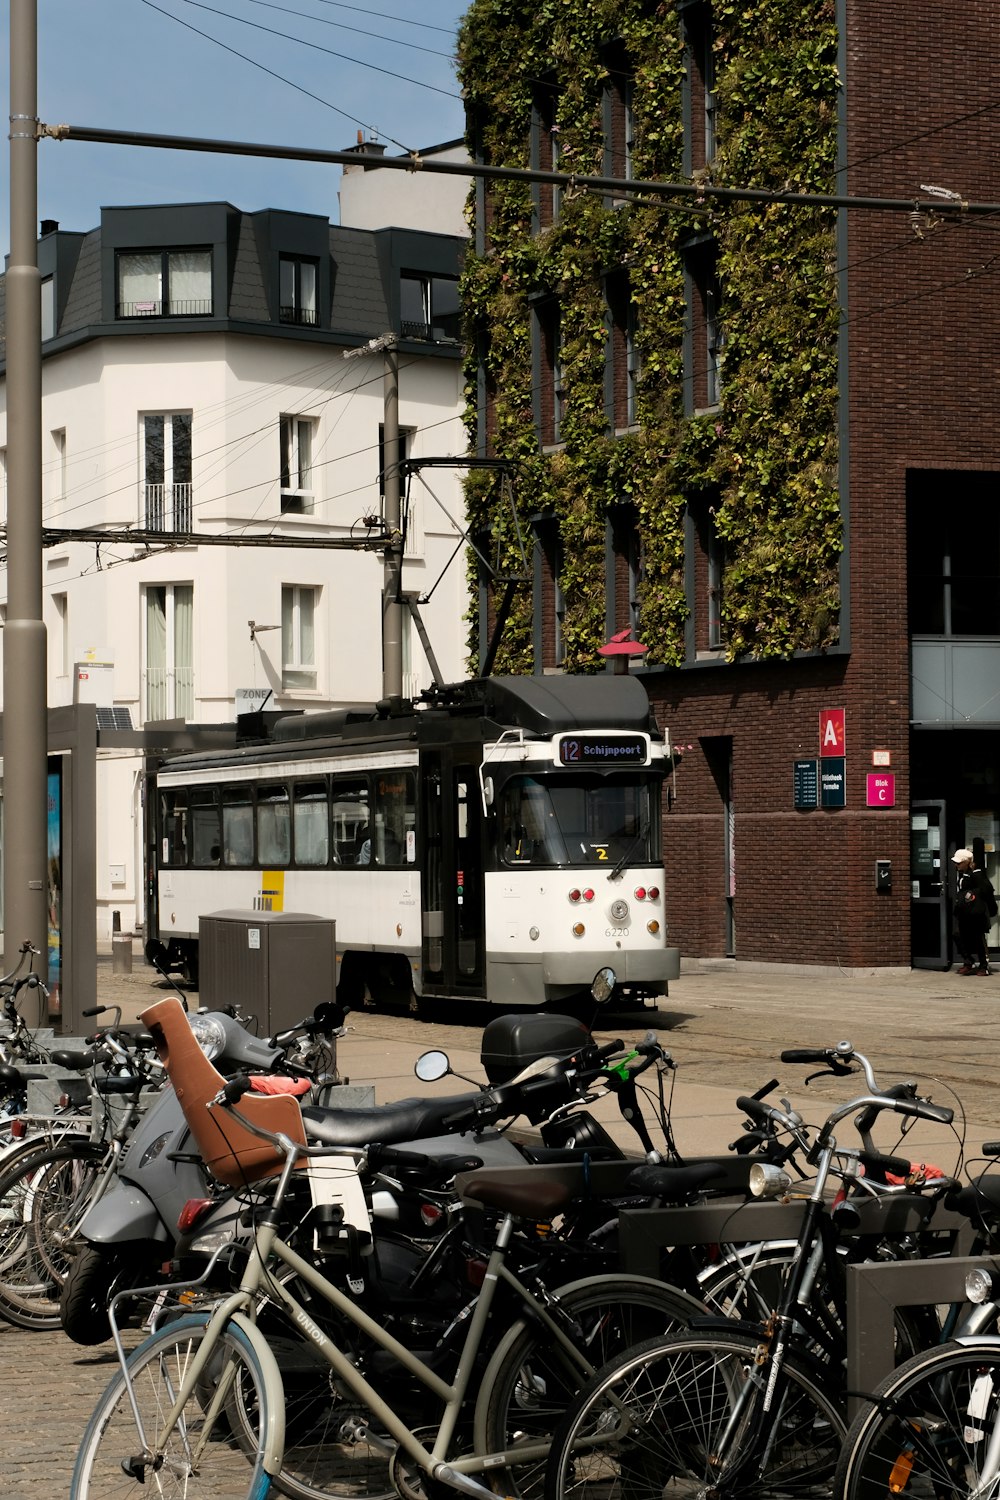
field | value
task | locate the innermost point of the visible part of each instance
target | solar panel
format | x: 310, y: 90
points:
x: 114, y: 718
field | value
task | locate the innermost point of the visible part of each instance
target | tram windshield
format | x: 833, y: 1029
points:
x: 579, y: 820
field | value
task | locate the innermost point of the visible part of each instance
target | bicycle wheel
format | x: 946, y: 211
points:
x: 333, y: 1446
x: 198, y: 1461
x: 531, y: 1380
x: 41, y: 1199
x: 928, y: 1428
x: 674, y: 1418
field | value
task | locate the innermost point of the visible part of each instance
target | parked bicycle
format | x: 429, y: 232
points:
x: 300, y: 1395
x: 731, y: 1412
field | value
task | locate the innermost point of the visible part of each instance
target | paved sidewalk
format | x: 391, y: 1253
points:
x: 725, y: 1027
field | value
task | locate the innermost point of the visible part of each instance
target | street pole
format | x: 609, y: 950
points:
x: 392, y: 569
x: 25, y: 739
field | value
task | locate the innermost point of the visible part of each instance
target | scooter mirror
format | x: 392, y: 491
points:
x: 156, y: 953
x: 603, y: 985
x: 430, y: 1066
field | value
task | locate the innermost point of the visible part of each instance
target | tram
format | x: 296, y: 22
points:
x: 495, y: 841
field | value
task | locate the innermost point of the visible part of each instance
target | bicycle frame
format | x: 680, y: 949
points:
x: 268, y: 1250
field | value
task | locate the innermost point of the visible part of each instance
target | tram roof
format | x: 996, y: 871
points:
x: 539, y: 706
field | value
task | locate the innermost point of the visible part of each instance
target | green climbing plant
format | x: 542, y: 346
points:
x: 764, y: 460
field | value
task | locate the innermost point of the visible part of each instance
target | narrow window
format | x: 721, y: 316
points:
x: 57, y: 473
x: 310, y: 823
x: 59, y: 640
x: 169, y: 651
x: 274, y: 826
x: 166, y: 489
x: 298, y: 637
x: 48, y: 308
x: 297, y: 282
x: 296, y: 435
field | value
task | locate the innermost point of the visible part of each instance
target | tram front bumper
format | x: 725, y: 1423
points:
x: 518, y: 979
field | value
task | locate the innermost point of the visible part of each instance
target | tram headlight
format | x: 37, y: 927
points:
x: 588, y: 894
x: 653, y: 893
x: 575, y: 895
x: 619, y: 911
x: 653, y: 927
x: 578, y: 929
x: 640, y: 893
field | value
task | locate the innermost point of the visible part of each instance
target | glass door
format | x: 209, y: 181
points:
x: 929, y: 924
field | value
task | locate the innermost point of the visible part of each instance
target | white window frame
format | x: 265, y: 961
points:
x: 295, y: 466
x: 157, y: 299
x: 171, y: 696
x: 299, y: 666
x: 299, y: 275
x: 166, y: 505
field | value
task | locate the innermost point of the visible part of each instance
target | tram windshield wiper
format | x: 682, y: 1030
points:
x: 640, y: 838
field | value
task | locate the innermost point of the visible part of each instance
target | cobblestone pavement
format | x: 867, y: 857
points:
x: 725, y: 1026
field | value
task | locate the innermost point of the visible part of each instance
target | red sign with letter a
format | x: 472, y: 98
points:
x: 831, y: 731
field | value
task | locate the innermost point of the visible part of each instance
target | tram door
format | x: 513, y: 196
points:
x: 452, y: 882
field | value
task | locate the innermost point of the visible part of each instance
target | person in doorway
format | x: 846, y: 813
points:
x: 975, y: 907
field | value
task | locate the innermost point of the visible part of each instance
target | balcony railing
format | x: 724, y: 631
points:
x: 169, y: 693
x: 167, y: 507
x: 152, y: 307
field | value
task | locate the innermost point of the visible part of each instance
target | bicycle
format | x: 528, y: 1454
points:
x: 207, y: 1407
x: 46, y: 1188
x: 932, y: 1427
x: 722, y: 1410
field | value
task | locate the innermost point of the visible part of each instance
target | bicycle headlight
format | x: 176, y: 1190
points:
x: 768, y: 1181
x: 209, y: 1033
x: 979, y: 1285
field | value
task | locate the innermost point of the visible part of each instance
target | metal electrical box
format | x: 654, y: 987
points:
x: 277, y: 966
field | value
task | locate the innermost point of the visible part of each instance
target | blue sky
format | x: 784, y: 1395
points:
x: 171, y: 66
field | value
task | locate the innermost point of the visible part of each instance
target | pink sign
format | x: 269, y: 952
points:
x: 881, y: 789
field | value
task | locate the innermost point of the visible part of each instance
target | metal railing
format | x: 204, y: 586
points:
x: 167, y: 507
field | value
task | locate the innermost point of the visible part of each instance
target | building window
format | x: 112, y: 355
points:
x: 716, y: 559
x: 700, y: 100
x: 619, y: 117
x: 623, y: 350
x: 706, y: 331
x: 297, y: 281
x: 296, y: 464
x: 59, y: 639
x: 625, y: 564
x: 298, y: 637
x: 413, y: 542
x: 48, y: 308
x: 169, y: 651
x: 166, y: 471
x: 57, y: 473
x: 953, y: 553
x: 164, y: 283
x: 546, y: 156
x: 550, y: 379
x: 549, y: 603
x: 429, y: 307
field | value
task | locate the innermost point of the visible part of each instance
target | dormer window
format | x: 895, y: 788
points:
x: 429, y: 307
x: 297, y: 281
x: 164, y: 283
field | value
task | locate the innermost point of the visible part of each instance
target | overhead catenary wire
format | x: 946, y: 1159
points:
x: 703, y: 191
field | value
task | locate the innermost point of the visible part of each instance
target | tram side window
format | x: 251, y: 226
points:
x: 395, y: 818
x: 237, y: 826
x: 204, y: 814
x: 310, y: 823
x: 350, y: 822
x: 173, y: 826
x: 274, y: 827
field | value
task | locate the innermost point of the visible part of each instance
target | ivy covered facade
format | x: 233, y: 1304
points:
x: 727, y: 428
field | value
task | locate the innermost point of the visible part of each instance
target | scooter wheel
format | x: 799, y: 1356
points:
x: 94, y: 1276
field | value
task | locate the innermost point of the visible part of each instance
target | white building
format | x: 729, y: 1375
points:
x: 194, y: 382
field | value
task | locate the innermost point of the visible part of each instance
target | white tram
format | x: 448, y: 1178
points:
x: 496, y: 841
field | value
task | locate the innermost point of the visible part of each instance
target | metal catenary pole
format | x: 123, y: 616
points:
x: 25, y: 745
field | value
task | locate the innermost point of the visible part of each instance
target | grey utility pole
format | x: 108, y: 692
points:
x: 25, y: 718
x: 392, y: 556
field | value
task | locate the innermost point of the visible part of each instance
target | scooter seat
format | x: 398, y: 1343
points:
x: 403, y: 1120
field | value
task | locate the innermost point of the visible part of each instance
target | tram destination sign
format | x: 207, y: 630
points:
x: 603, y: 750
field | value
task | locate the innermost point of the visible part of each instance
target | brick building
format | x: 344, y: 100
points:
x: 762, y: 436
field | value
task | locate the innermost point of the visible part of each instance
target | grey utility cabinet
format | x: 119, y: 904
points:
x: 277, y: 966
